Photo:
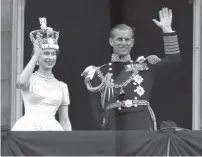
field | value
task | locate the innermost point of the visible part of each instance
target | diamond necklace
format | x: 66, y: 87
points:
x: 45, y: 77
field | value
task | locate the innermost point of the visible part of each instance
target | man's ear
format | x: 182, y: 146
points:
x: 111, y: 41
x: 133, y: 42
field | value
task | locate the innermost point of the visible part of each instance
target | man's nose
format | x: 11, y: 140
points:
x: 123, y: 42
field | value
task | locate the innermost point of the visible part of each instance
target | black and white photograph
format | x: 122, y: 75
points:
x: 101, y: 78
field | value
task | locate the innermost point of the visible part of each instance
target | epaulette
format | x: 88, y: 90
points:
x: 153, y: 59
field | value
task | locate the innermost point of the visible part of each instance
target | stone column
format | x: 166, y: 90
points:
x: 197, y: 67
x: 6, y: 42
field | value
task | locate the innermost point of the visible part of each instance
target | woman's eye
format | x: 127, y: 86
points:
x: 53, y: 54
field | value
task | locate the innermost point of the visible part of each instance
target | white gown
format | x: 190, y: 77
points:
x: 41, y: 101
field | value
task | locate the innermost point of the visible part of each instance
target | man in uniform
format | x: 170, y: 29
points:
x: 120, y: 90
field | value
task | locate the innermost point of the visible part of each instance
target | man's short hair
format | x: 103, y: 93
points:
x: 121, y: 27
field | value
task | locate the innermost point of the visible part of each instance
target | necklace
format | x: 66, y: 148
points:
x: 45, y: 77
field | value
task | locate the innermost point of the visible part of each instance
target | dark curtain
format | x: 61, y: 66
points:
x: 171, y: 97
x: 84, y: 27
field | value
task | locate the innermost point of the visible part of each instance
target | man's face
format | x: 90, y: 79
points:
x: 122, y: 41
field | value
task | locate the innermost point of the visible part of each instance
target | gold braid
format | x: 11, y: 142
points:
x: 99, y: 87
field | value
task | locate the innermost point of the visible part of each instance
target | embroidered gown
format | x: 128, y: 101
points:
x: 41, y: 102
x: 138, y: 88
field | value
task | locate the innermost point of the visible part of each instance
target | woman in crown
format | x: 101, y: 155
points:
x: 42, y: 93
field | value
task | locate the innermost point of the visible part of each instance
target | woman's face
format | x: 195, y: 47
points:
x: 47, y: 58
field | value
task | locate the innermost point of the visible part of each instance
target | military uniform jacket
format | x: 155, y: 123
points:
x: 130, y: 80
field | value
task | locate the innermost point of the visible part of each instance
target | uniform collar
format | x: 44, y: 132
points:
x: 117, y: 58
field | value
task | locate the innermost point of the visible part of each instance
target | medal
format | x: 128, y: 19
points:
x: 122, y: 91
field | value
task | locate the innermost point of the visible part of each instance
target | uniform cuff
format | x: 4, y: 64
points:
x: 171, y: 45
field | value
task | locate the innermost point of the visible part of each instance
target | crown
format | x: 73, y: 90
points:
x: 46, y: 37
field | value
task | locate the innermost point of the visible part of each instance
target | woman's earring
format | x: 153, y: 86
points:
x: 37, y: 63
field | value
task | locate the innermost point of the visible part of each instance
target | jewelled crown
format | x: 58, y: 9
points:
x: 46, y: 37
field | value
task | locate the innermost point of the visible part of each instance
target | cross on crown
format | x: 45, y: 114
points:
x: 46, y: 37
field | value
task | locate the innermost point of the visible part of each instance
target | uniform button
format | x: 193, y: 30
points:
x: 135, y: 98
x: 119, y: 108
x: 110, y: 69
x: 110, y: 63
x: 117, y: 101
